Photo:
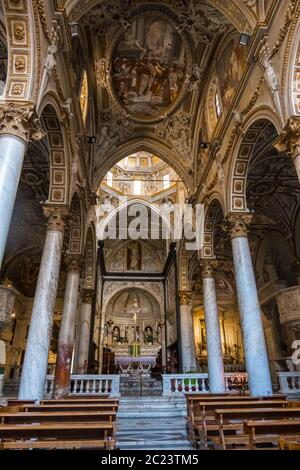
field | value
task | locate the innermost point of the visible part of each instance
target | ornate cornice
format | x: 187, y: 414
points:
x: 208, y: 267
x: 87, y: 296
x: 21, y: 121
x: 289, y: 140
x: 56, y: 217
x: 73, y: 263
x: 42, y: 16
x: 185, y: 297
x: 285, y: 27
x: 237, y: 224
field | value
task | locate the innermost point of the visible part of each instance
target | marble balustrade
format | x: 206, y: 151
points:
x: 81, y: 385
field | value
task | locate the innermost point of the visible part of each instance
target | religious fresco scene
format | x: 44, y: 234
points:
x: 149, y: 65
x: 150, y: 225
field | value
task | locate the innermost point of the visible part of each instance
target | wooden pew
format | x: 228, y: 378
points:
x: 15, y: 402
x: 64, y: 416
x: 201, y: 423
x: 70, y: 407
x: 230, y: 422
x: 288, y: 444
x: 107, y: 444
x: 58, y: 430
x: 269, y: 431
x: 73, y: 401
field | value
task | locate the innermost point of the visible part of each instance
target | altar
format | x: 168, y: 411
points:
x: 135, y: 365
x: 128, y: 364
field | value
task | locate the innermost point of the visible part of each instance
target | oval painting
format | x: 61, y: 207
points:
x: 149, y: 67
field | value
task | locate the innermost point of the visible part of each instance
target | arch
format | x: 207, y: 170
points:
x: 132, y: 286
x: 59, y: 156
x: 146, y: 145
x: 90, y: 258
x: 236, y: 13
x: 127, y: 204
x: 23, y: 46
x: 256, y: 126
x: 213, y: 206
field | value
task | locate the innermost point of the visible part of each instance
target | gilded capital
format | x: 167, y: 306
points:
x: 87, y: 296
x: 238, y: 224
x: 56, y: 216
x: 185, y: 297
x: 73, y: 262
x: 20, y: 121
x: 208, y: 267
x: 289, y: 140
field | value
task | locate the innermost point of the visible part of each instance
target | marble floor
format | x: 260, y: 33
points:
x: 160, y: 433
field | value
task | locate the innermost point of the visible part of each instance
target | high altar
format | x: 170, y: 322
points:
x: 133, y: 354
x: 136, y: 358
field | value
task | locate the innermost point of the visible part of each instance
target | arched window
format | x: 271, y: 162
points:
x: 137, y: 187
x: 166, y: 181
x: 109, y: 178
x: 84, y: 96
x: 218, y: 104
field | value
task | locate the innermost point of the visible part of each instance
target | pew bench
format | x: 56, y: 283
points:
x: 69, y: 407
x: 235, y: 417
x: 55, y: 444
x: 289, y: 444
x: 57, y: 430
x: 63, y: 416
x: 269, y: 431
x: 202, y: 423
x: 79, y: 401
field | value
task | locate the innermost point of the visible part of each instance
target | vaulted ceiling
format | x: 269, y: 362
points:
x: 147, y: 67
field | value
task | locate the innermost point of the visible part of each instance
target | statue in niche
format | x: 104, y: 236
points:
x: 115, y: 334
x: 271, y: 266
x: 134, y: 257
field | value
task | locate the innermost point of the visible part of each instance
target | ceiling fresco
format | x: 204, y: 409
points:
x: 149, y: 67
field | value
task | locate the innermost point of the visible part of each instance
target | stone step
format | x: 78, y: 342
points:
x: 139, y: 407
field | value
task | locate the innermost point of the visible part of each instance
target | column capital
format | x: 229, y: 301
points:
x: 21, y: 121
x: 56, y: 216
x: 185, y: 297
x: 237, y: 224
x: 87, y: 296
x: 73, y: 262
x: 208, y: 267
x: 289, y: 140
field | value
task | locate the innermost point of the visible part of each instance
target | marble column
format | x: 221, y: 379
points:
x: 187, y: 341
x: 84, y: 326
x: 18, y: 124
x: 67, y: 328
x: 289, y: 141
x: 36, y: 355
x: 255, y: 350
x: 212, y: 325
